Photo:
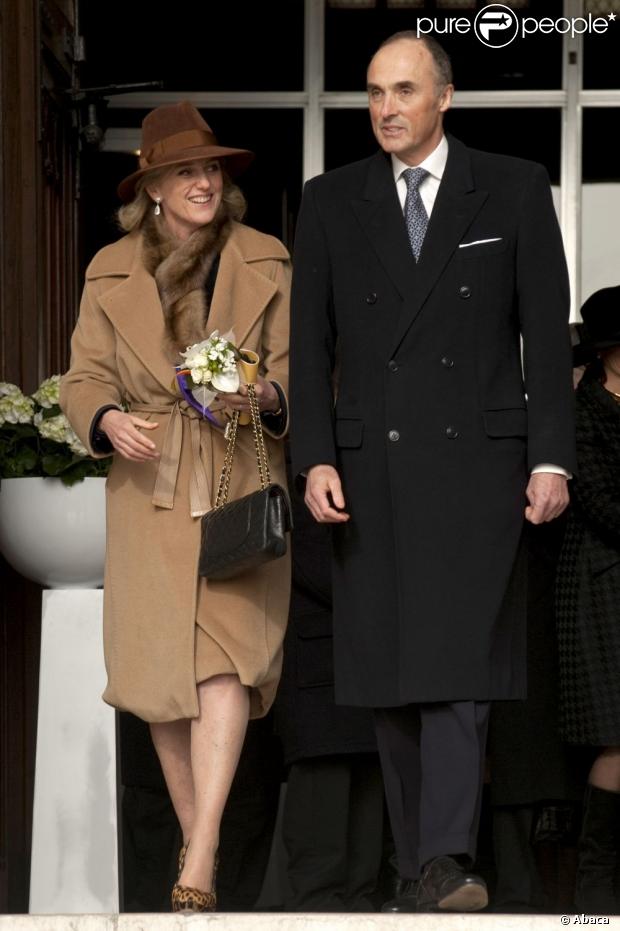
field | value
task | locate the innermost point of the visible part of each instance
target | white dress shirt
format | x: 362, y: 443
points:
x: 435, y: 164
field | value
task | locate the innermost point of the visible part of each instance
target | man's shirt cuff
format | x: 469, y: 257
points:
x: 549, y: 467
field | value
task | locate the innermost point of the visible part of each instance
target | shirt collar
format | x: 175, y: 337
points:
x: 435, y: 163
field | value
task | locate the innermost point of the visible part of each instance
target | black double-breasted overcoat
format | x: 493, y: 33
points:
x: 408, y: 378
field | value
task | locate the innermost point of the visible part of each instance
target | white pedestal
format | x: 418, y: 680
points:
x: 74, y: 867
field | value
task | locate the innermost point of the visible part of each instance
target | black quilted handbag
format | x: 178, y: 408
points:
x: 245, y: 533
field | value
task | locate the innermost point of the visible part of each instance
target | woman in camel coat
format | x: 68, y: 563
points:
x: 193, y: 658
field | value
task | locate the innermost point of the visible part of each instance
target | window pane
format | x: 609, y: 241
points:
x: 600, y: 217
x: 348, y: 137
x: 532, y: 62
x: 600, y: 56
x: 195, y: 46
x: 524, y: 133
x: 533, y: 134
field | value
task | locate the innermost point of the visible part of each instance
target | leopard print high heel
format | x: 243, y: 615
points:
x: 188, y: 899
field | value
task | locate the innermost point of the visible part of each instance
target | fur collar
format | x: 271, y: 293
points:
x: 180, y: 270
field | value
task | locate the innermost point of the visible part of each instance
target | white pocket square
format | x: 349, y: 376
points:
x: 479, y: 242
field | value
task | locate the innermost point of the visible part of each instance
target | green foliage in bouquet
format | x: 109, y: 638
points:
x: 36, y: 439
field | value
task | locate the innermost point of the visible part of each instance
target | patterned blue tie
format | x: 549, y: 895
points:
x: 416, y: 217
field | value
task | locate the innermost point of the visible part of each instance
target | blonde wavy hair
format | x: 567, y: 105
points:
x: 131, y: 216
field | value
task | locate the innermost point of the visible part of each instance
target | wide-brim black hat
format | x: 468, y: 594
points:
x: 601, y: 324
x: 583, y: 353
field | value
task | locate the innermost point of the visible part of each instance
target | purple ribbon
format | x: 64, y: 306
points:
x: 189, y: 397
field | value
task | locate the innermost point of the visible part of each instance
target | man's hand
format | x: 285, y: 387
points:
x: 123, y: 432
x: 548, y: 496
x: 324, y: 495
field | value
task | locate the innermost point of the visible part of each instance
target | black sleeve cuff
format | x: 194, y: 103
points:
x: 98, y: 439
x: 276, y: 422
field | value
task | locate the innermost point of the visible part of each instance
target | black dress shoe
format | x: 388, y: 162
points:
x: 406, y: 897
x: 447, y: 886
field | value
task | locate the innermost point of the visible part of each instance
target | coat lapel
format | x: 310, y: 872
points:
x: 241, y: 295
x: 134, y: 309
x: 380, y: 216
x: 241, y: 292
x: 455, y: 207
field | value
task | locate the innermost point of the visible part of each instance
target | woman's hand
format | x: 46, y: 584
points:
x: 123, y: 432
x: 266, y: 395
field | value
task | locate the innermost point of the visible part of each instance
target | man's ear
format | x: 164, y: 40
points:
x: 445, y: 98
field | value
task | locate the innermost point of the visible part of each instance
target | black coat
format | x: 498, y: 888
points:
x: 588, y: 584
x: 431, y: 431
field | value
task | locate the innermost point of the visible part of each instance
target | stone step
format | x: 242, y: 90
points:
x: 278, y: 921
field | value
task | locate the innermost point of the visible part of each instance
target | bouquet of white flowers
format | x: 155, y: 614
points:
x: 37, y: 440
x: 209, y: 366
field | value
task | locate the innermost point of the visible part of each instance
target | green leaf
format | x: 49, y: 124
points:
x: 49, y: 412
x: 54, y: 464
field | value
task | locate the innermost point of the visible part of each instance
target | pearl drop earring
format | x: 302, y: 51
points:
x: 157, y: 210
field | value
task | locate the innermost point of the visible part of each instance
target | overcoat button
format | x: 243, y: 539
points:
x: 394, y: 436
x: 392, y: 365
x: 447, y: 362
x: 371, y: 298
x: 465, y: 291
x: 452, y: 433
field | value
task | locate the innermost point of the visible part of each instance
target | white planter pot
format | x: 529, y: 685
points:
x: 53, y: 534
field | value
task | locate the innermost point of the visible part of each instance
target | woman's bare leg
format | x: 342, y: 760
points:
x: 217, y: 736
x: 172, y: 743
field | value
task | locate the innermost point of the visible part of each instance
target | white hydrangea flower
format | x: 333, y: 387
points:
x: 75, y: 444
x: 48, y: 392
x: 16, y: 408
x: 52, y: 428
x: 59, y: 430
x: 7, y: 389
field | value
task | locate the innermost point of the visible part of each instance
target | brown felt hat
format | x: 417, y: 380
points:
x: 176, y: 133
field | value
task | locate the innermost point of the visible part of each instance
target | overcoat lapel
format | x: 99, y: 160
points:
x: 142, y: 328
x: 241, y: 293
x: 380, y: 216
x: 455, y: 207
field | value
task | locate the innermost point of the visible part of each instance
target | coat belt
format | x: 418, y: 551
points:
x: 168, y: 468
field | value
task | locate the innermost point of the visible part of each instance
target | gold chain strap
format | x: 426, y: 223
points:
x: 259, y: 440
x: 231, y: 440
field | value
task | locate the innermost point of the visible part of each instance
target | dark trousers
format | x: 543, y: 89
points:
x: 333, y: 833
x: 432, y: 757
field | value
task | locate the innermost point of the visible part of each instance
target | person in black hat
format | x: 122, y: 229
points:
x: 588, y: 599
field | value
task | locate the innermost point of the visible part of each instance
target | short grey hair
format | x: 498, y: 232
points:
x: 441, y: 59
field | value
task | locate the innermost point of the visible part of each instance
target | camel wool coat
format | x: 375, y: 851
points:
x: 153, y: 596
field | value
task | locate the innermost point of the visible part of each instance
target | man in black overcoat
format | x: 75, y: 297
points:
x: 425, y: 439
